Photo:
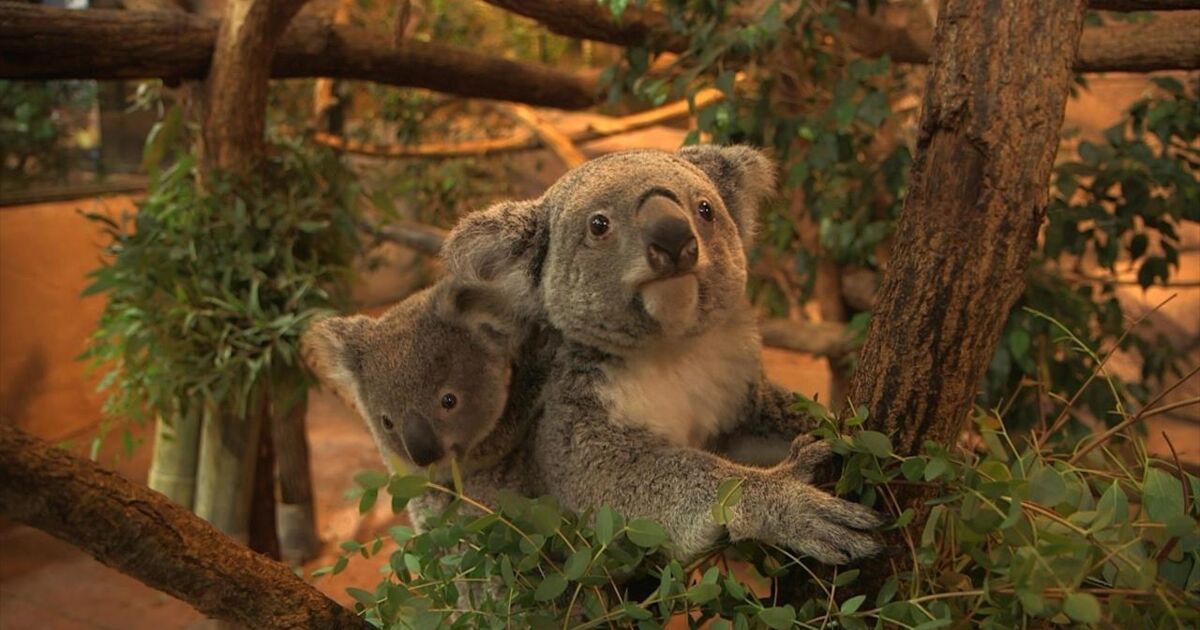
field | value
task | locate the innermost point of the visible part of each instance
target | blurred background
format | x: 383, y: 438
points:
x: 1122, y: 241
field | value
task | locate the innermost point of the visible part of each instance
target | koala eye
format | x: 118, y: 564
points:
x: 706, y: 211
x: 449, y: 401
x: 387, y: 423
x: 598, y: 225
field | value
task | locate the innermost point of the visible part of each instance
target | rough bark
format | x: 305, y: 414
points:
x: 1167, y: 43
x: 298, y: 539
x: 977, y: 196
x: 140, y: 533
x: 234, y: 114
x: 39, y: 42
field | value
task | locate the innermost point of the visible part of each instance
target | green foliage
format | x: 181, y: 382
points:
x: 1119, y: 203
x: 1015, y: 536
x: 36, y: 124
x: 210, y: 284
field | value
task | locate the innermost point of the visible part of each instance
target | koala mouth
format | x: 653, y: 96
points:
x: 672, y: 302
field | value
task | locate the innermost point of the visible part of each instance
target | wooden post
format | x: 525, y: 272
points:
x: 225, y: 473
x: 176, y: 449
x: 298, y: 540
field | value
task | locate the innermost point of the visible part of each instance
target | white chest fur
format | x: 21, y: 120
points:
x: 688, y: 390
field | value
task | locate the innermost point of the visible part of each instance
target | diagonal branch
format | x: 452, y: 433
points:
x: 142, y: 534
x: 38, y: 42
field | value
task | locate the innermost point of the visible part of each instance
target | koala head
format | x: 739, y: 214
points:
x: 430, y: 377
x: 628, y: 248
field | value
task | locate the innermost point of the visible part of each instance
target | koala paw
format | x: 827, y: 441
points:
x: 833, y: 530
x: 806, y: 454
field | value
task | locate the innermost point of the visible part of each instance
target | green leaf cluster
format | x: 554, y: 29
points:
x: 210, y: 284
x: 1021, y: 532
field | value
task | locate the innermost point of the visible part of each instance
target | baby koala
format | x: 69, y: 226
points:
x: 430, y: 377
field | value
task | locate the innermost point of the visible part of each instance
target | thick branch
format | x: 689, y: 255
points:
x: 1166, y: 43
x: 39, y: 42
x: 140, y: 533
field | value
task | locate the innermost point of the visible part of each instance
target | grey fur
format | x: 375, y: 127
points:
x: 396, y: 369
x: 630, y: 336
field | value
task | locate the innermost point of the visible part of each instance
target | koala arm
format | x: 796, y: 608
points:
x: 587, y: 460
x: 769, y: 413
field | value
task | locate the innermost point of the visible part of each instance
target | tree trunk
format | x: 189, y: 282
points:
x: 234, y: 111
x: 297, y: 520
x: 176, y: 449
x: 136, y: 531
x: 977, y: 195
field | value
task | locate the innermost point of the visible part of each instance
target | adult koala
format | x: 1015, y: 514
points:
x: 638, y: 260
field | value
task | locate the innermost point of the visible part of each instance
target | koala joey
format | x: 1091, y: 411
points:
x: 430, y: 377
x: 637, y: 260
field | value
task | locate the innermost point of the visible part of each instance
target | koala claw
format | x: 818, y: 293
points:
x: 807, y: 453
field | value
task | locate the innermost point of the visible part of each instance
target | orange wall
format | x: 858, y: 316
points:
x: 46, y: 250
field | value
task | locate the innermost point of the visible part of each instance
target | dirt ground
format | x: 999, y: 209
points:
x: 45, y: 253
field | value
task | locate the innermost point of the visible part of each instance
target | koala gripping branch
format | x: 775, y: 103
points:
x: 140, y: 533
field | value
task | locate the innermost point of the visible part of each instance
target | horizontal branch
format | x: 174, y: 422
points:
x: 38, y: 42
x: 1143, y: 5
x: 1166, y: 43
x: 142, y: 534
x: 824, y: 339
x: 425, y: 239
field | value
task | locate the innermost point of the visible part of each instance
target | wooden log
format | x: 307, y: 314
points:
x: 38, y: 42
x: 141, y: 534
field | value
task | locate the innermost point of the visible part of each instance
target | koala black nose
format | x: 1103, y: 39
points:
x: 671, y: 246
x: 420, y: 441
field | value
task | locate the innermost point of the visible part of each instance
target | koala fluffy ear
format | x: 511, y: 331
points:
x: 331, y: 348
x: 504, y: 245
x: 743, y: 175
x: 483, y: 309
